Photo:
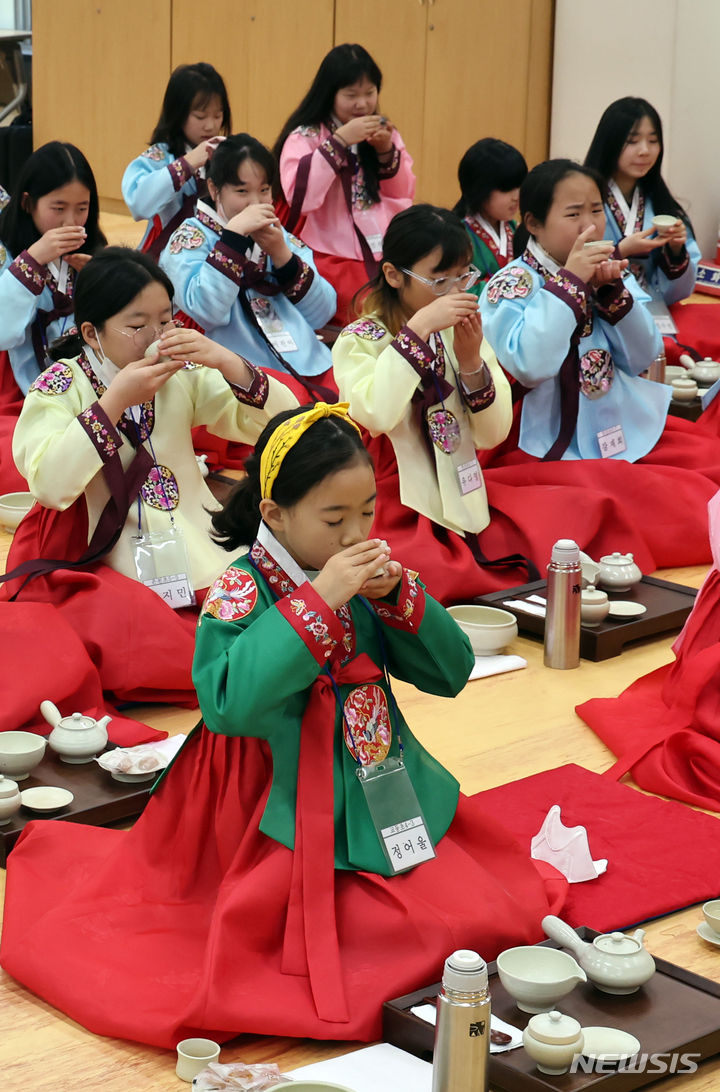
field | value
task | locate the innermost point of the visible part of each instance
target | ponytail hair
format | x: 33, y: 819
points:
x: 329, y: 445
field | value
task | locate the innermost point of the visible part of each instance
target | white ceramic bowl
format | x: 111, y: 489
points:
x: 46, y: 799
x: 20, y: 753
x: 489, y: 628
x: 537, y: 978
x: 13, y: 506
x: 590, y: 570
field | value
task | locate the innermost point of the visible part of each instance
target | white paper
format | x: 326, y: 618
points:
x: 429, y: 1014
x: 523, y: 605
x: 495, y: 665
x: 707, y: 397
x: 372, y: 1069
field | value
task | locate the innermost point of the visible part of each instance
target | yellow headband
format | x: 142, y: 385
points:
x: 287, y: 434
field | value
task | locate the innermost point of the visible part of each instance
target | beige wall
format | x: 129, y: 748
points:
x: 664, y: 51
x: 454, y: 71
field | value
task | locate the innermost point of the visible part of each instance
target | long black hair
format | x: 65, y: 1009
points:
x: 537, y: 193
x: 410, y: 236
x: 329, y: 445
x: 343, y: 66
x: 488, y: 165
x: 228, y: 156
x: 190, y: 86
x: 611, y: 135
x: 49, y: 168
x: 105, y: 286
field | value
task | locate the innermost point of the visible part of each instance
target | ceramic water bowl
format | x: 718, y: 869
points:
x: 537, y: 978
x: 590, y: 570
x: 20, y: 753
x: 13, y: 507
x: 489, y: 628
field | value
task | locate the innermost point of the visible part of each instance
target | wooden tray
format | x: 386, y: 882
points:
x: 689, y: 411
x: 668, y: 605
x: 675, y: 1012
x: 99, y: 799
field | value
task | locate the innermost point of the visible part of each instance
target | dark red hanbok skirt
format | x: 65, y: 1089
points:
x: 177, y: 927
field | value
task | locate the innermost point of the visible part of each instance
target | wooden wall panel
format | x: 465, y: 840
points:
x: 395, y: 35
x: 99, y: 73
x: 267, y: 53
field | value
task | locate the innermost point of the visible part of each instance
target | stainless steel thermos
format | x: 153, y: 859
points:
x: 562, y: 614
x: 462, y: 1030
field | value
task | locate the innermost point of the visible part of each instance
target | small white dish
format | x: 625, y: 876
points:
x: 46, y: 798
x: 136, y: 778
x: 703, y: 930
x: 609, y: 1044
x: 623, y: 608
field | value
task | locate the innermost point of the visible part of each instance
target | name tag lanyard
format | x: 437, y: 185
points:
x: 161, y: 558
x: 460, y: 448
x: 391, y: 799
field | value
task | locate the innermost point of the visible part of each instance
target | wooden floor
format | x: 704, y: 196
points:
x: 497, y: 730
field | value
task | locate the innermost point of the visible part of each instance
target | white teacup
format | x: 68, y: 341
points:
x: 193, y: 1055
x: 664, y: 224
x: 711, y: 913
x: 684, y: 390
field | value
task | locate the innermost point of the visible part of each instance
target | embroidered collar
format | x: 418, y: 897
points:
x: 629, y: 218
x: 538, y: 259
x: 209, y: 217
x: 498, y: 241
x: 128, y: 424
x: 284, y: 575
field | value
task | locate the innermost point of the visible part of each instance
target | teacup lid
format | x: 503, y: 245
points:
x: 617, y: 944
x: 616, y: 558
x: 591, y: 594
x: 554, y: 1027
x: 8, y: 787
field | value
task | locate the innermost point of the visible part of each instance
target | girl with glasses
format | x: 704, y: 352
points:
x: 104, y: 441
x: 412, y: 369
x: 344, y: 171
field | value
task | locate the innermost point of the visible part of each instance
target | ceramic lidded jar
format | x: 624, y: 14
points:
x: 552, y: 1040
x: 9, y: 799
x: 619, y: 571
x: 684, y: 390
x: 594, y: 606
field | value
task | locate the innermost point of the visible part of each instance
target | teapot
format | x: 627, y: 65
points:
x: 618, y: 571
x: 614, y: 962
x: 705, y: 371
x: 76, y: 738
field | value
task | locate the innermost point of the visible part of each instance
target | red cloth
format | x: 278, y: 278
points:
x: 11, y: 401
x: 44, y: 658
x: 654, y: 508
x: 666, y: 726
x: 177, y: 927
x: 662, y: 856
x: 698, y: 326
x: 141, y: 649
x: 347, y: 276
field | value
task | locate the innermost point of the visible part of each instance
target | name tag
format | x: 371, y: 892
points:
x: 611, y: 441
x: 469, y: 476
x: 407, y: 844
x: 375, y: 242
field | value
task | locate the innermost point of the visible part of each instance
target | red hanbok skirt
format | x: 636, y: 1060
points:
x: 178, y: 926
x: 11, y: 402
x: 654, y: 508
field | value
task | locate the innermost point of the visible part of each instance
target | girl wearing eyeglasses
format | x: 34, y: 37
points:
x: 412, y: 370
x: 104, y: 441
